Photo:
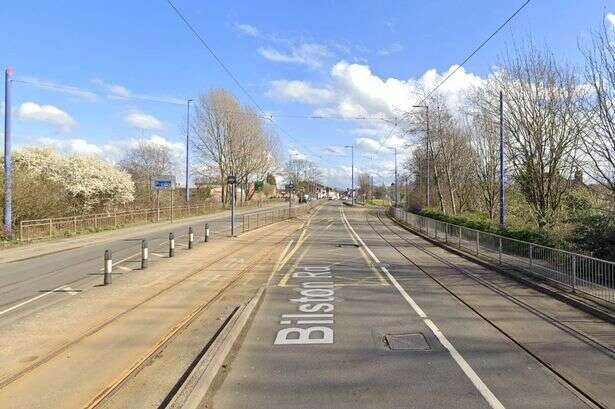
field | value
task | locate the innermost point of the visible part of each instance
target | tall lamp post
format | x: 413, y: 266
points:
x: 427, y: 153
x: 8, y: 177
x: 351, y: 173
x: 396, y: 181
x: 188, y: 149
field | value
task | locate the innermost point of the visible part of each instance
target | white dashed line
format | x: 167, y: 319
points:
x: 463, y: 364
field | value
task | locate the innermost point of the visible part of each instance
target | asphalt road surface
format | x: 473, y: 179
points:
x: 350, y: 323
x: 28, y: 284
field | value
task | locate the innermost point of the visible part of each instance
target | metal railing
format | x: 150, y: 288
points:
x: 585, y: 274
x: 252, y: 221
x: 72, y: 225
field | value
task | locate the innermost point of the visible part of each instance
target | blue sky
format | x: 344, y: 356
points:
x: 129, y: 66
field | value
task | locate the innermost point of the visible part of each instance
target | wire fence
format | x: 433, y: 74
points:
x: 252, y: 221
x: 72, y: 225
x: 580, y: 273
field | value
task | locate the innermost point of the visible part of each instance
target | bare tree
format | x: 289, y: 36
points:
x: 233, y: 139
x: 599, y: 106
x: 482, y: 133
x: 542, y: 126
x: 145, y: 161
x: 364, y: 183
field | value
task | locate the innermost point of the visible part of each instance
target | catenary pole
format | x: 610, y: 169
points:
x: 8, y: 168
x: 501, y: 158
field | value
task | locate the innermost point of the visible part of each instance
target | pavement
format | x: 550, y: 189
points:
x: 361, y: 317
x: 137, y: 336
x: 35, y: 276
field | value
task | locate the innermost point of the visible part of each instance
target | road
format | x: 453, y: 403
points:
x: 364, y: 314
x: 31, y: 283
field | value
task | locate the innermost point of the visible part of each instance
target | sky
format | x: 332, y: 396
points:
x: 97, y: 76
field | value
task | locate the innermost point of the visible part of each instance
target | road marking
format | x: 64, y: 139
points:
x: 70, y: 290
x: 21, y: 304
x: 377, y: 273
x: 124, y: 268
x: 157, y: 254
x: 316, y: 296
x: 463, y: 364
x: 300, y: 241
x: 404, y: 294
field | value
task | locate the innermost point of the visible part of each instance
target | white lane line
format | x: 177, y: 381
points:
x: 467, y: 369
x: 21, y: 304
x: 157, y: 254
x: 404, y: 294
x: 124, y: 268
x: 463, y: 364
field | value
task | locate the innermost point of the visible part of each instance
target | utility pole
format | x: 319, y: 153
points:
x: 501, y: 159
x: 188, y: 149
x: 231, y: 180
x: 8, y: 168
x: 396, y: 181
x: 352, y: 172
x: 427, y: 152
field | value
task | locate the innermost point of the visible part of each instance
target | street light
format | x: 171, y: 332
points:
x: 427, y: 151
x: 188, y: 148
x: 352, y: 173
x: 396, y: 189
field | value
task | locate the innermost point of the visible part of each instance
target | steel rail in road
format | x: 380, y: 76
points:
x: 107, y: 392
x: 256, y: 220
x: 543, y: 362
x: 588, y: 275
x: 14, y: 377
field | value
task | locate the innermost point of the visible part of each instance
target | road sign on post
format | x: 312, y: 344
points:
x: 163, y: 182
x: 231, y: 179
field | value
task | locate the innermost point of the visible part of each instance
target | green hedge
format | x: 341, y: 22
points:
x: 479, y: 221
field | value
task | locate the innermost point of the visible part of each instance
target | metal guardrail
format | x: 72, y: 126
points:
x: 72, y: 225
x: 252, y: 221
x: 585, y: 274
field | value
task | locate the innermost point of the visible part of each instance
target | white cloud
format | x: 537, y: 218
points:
x: 300, y: 91
x: 144, y: 121
x: 611, y: 19
x: 367, y: 144
x: 335, y: 151
x: 248, y: 30
x: 117, y: 91
x: 295, y: 154
x: 353, y: 90
x: 70, y: 146
x: 113, y: 150
x: 391, y: 49
x: 62, y: 88
x: 31, y: 111
x: 309, y: 54
x: 177, y: 147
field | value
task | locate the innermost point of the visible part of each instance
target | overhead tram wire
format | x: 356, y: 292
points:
x: 477, y: 49
x: 459, y: 66
x: 232, y: 76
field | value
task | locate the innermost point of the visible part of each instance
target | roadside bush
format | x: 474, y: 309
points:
x: 595, y: 234
x: 480, y: 221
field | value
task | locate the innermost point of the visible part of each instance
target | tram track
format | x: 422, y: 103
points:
x: 604, y: 349
x: 7, y: 380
